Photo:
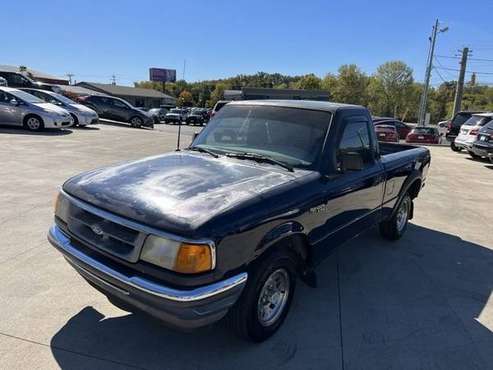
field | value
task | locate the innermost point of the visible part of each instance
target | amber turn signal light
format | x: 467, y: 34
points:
x: 193, y: 258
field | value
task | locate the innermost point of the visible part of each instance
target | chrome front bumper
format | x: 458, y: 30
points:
x: 185, y: 309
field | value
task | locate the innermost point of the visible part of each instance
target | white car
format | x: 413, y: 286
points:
x: 81, y: 114
x: 442, y: 127
x: 470, y: 129
x: 18, y: 108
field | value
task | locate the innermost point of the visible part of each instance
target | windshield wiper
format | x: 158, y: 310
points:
x: 203, y: 150
x: 259, y: 158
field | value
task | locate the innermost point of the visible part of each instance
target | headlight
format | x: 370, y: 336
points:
x: 61, y: 207
x: 177, y: 256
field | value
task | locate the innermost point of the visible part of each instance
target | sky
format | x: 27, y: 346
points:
x: 219, y: 39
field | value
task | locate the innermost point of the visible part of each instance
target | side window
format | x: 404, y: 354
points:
x: 354, y: 150
x: 4, y: 99
x: 119, y: 104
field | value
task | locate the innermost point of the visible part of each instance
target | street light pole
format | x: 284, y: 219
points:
x: 429, y: 66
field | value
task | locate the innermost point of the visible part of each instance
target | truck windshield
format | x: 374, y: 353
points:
x: 289, y: 135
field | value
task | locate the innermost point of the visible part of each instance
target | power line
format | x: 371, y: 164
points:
x: 458, y: 70
x: 474, y: 59
x: 439, y: 75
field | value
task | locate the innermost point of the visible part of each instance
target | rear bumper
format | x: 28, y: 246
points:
x: 482, y: 151
x: 183, y: 309
x: 463, y: 144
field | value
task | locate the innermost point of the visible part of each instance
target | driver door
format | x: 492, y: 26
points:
x: 9, y: 114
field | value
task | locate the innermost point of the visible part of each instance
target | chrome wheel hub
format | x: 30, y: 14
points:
x: 273, y: 297
x: 33, y: 123
x: 403, y: 214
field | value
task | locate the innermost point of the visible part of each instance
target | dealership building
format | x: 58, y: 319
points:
x: 138, y: 97
x: 251, y: 93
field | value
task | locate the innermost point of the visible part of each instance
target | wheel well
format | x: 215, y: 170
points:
x: 134, y: 116
x: 414, y: 188
x: 296, y: 244
x: 76, y: 120
x: 27, y: 116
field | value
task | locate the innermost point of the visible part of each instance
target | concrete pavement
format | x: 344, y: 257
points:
x: 424, y: 302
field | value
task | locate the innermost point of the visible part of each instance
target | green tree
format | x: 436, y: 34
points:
x: 392, y: 83
x: 351, y: 86
x: 217, y: 94
x: 309, y: 82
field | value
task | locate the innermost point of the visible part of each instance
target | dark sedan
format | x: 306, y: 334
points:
x: 387, y: 133
x: 402, y: 128
x: 423, y: 135
x: 483, y: 146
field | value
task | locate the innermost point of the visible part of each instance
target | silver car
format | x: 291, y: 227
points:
x: 18, y: 108
x: 81, y: 114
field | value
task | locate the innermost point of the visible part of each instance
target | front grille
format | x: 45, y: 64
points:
x: 105, y: 234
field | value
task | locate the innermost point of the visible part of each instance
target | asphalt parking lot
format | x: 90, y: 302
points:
x: 424, y: 302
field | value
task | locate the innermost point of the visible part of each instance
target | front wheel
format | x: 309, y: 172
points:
x: 396, y: 226
x: 266, y: 299
x: 136, y: 122
x: 33, y: 123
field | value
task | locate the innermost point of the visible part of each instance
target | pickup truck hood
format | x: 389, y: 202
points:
x: 177, y: 191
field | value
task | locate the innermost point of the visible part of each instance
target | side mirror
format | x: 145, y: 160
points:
x: 350, y: 161
x: 14, y: 102
x: 195, y: 135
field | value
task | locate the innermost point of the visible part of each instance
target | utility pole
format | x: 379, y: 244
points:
x: 460, y: 82
x: 429, y: 66
x: 70, y: 75
x: 113, y: 79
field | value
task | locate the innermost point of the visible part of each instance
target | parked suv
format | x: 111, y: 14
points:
x: 81, y: 114
x: 117, y: 109
x: 18, y: 108
x: 470, y: 130
x: 18, y: 80
x: 454, y: 128
x: 483, y: 146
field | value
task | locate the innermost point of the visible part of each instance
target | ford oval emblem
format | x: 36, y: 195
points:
x: 96, y: 229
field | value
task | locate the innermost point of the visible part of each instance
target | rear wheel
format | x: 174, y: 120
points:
x: 395, y: 227
x: 33, y: 123
x: 454, y: 147
x: 266, y: 299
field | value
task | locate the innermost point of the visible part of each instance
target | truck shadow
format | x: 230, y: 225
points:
x: 416, y: 303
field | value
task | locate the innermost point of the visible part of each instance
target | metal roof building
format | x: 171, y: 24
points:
x: 34, y: 74
x: 136, y: 96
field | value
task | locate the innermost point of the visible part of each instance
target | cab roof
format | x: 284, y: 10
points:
x: 301, y: 104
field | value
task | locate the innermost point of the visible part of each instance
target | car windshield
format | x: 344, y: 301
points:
x: 58, y: 98
x: 477, y: 121
x: 460, y: 118
x: 175, y: 111
x: 424, y: 130
x: 292, y: 136
x: 24, y: 96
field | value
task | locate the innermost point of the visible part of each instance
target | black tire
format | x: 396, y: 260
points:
x: 473, y: 156
x: 455, y: 148
x: 76, y: 120
x: 243, y: 317
x: 33, y: 123
x: 395, y: 227
x: 136, y: 122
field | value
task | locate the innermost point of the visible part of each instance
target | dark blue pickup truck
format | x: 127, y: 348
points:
x: 225, y: 227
